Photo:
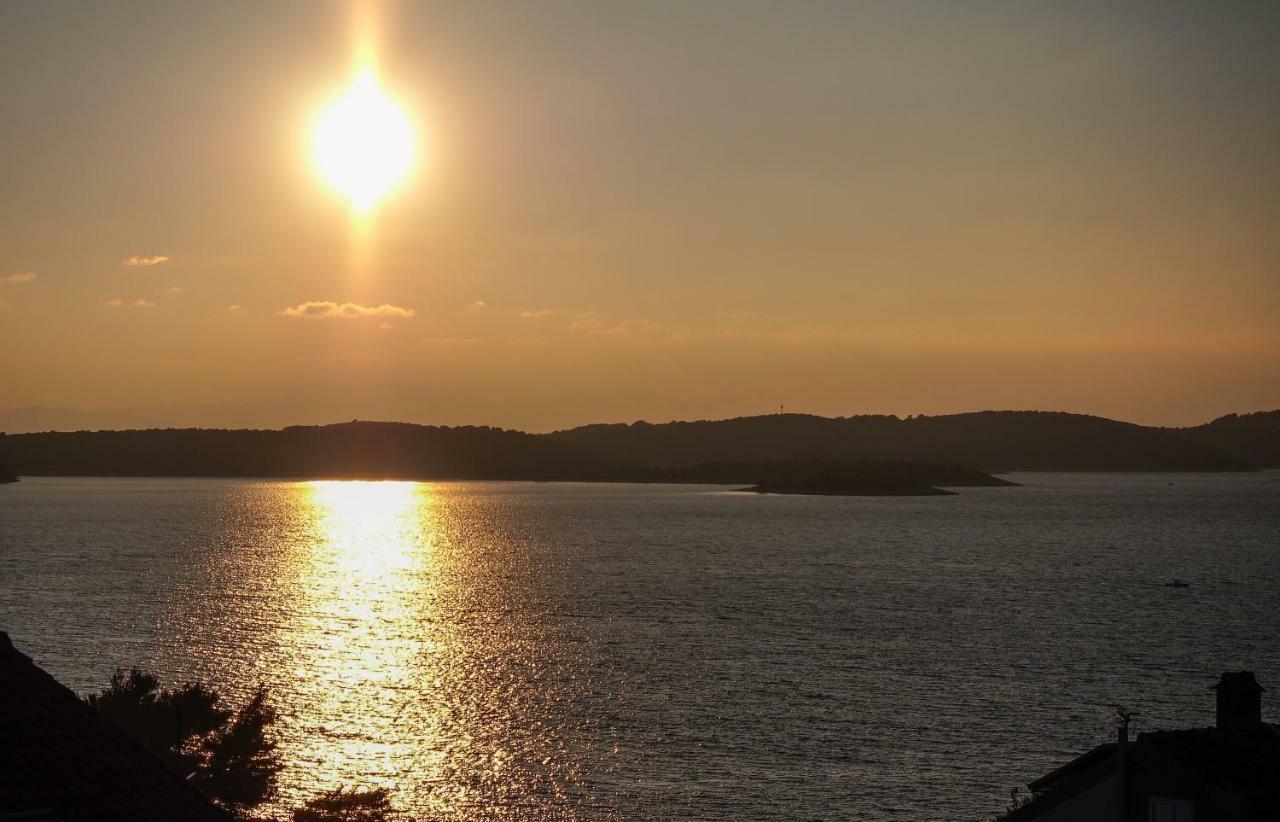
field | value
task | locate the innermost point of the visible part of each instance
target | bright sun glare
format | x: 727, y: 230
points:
x: 364, y: 143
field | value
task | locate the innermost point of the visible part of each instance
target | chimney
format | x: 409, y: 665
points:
x: 1239, y: 701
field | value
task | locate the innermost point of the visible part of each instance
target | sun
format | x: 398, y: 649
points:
x: 363, y: 144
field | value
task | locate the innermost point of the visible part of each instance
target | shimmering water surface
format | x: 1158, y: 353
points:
x: 548, y: 651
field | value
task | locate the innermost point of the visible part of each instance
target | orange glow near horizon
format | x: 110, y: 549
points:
x: 611, y: 212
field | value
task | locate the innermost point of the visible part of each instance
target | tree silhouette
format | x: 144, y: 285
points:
x: 240, y: 767
x: 227, y: 754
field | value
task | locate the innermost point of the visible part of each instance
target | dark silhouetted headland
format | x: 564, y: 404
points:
x: 773, y: 448
x: 7, y: 474
x: 1254, y: 438
x: 372, y: 450
x: 993, y: 441
x: 865, y: 478
x: 358, y: 450
x: 836, y: 485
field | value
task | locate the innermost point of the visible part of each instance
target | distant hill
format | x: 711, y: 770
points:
x: 839, y: 485
x: 7, y: 474
x: 1251, y: 437
x: 779, y: 447
x: 992, y: 441
x: 354, y: 450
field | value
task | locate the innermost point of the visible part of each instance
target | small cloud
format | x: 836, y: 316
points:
x: 114, y: 302
x: 384, y: 326
x: 590, y: 323
x: 328, y: 310
x: 234, y: 307
x: 135, y: 262
x: 19, y: 277
x: 171, y: 291
x: 142, y: 302
x: 478, y: 305
x: 733, y: 315
x: 536, y: 313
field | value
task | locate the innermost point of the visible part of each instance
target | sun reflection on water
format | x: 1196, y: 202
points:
x: 372, y: 529
x: 411, y: 638
x: 362, y: 632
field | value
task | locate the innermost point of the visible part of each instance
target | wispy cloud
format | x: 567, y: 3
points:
x: 141, y: 302
x: 329, y: 310
x: 590, y: 323
x: 135, y: 261
x: 171, y: 291
x: 536, y: 313
x: 478, y: 305
x: 19, y: 277
x: 235, y: 307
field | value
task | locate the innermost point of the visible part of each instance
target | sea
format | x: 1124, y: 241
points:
x: 547, y: 651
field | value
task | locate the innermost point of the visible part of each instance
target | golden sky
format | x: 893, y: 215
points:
x: 645, y: 210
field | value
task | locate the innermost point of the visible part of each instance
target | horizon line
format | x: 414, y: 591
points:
x: 373, y: 421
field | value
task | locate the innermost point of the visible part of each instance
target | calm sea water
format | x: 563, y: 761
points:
x: 559, y: 651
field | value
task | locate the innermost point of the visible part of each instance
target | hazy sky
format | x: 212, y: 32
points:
x: 646, y: 210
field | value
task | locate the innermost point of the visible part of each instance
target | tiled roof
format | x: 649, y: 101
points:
x: 1079, y: 764
x: 1246, y: 762
x: 1064, y: 782
x: 58, y: 757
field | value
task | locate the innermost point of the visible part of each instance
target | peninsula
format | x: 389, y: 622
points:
x: 6, y: 473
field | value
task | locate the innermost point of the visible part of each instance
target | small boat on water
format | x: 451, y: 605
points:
x: 1177, y: 583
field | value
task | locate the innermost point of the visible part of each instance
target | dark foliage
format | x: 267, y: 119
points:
x: 7, y: 473
x: 1252, y: 437
x: 988, y: 441
x: 368, y: 450
x: 226, y: 754
x: 346, y: 806
x: 241, y: 764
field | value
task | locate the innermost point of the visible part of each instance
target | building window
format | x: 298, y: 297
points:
x: 1164, y: 809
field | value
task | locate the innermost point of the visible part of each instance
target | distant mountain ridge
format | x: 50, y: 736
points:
x: 993, y: 441
x: 366, y: 450
x: 7, y: 474
x: 1252, y: 437
x: 987, y: 441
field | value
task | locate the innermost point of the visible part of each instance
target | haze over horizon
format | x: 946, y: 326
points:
x: 659, y: 211
x: 274, y: 416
